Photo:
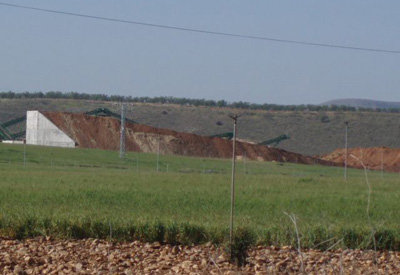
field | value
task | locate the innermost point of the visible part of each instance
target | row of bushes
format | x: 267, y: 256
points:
x: 319, y: 237
x: 192, y: 102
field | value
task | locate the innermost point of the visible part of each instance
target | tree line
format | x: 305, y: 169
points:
x: 190, y: 102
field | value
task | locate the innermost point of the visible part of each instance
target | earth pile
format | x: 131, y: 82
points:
x: 374, y: 158
x: 104, y: 133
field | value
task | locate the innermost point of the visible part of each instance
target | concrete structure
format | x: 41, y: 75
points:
x: 13, y: 141
x: 41, y: 131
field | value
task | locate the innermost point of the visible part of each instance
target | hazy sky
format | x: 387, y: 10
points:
x: 42, y: 52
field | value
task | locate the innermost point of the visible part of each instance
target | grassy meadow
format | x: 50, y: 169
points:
x: 78, y: 193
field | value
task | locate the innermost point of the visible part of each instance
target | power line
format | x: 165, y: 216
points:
x: 122, y: 136
x: 237, y: 35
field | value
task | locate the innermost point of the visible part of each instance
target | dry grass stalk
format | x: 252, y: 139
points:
x: 368, y: 208
x: 293, y: 218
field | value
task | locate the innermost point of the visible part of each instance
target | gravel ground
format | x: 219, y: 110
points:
x: 91, y: 256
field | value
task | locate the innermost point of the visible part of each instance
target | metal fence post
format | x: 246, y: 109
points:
x: 234, y: 117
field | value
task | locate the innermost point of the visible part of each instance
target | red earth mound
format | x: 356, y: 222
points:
x: 104, y: 133
x: 375, y: 158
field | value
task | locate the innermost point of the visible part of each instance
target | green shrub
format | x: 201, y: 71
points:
x: 171, y: 234
x: 386, y: 239
x: 243, y: 239
x: 192, y: 234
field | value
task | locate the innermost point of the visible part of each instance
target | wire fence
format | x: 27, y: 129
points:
x: 145, y: 162
x: 72, y: 161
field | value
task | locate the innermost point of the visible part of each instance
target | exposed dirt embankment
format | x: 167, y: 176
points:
x: 104, y: 133
x: 374, y: 158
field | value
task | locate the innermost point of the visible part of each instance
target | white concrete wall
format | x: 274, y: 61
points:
x: 13, y: 141
x: 41, y: 131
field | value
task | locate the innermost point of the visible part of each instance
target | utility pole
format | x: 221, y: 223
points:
x: 244, y: 163
x: 122, y: 137
x: 24, y: 153
x: 234, y: 117
x: 158, y: 153
x: 137, y: 162
x: 346, y: 151
x: 382, y: 162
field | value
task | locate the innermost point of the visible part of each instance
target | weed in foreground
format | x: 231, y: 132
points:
x: 243, y: 239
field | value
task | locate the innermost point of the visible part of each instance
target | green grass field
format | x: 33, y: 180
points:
x: 77, y: 193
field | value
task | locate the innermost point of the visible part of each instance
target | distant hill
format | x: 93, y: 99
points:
x: 310, y: 132
x: 363, y: 103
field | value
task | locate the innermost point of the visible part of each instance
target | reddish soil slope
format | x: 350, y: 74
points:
x: 104, y: 133
x: 374, y: 158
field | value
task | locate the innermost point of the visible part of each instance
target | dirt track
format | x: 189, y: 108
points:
x: 41, y: 256
x: 104, y: 133
x: 374, y: 158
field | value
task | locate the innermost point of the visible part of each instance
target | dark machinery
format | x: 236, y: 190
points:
x: 5, y: 132
x: 270, y: 142
x: 107, y: 113
x: 274, y: 141
x: 228, y: 135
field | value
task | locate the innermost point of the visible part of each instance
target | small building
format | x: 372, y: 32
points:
x: 41, y: 131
